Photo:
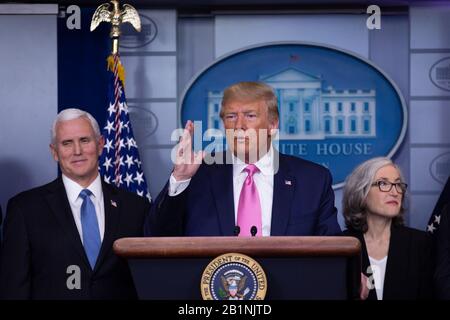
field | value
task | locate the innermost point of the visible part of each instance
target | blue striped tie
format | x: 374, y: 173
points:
x: 89, y: 225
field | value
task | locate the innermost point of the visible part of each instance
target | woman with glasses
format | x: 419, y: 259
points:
x: 396, y: 260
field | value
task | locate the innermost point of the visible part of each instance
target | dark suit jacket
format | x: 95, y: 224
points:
x: 303, y: 203
x: 41, y: 241
x: 409, y: 267
x: 444, y: 200
x: 442, y: 274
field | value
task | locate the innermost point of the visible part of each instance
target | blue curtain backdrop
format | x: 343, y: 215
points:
x: 82, y: 73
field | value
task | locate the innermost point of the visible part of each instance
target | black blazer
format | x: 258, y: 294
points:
x: 409, y: 267
x: 442, y: 274
x: 41, y: 242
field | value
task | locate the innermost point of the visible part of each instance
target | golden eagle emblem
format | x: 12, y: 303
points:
x: 233, y: 282
x: 116, y: 16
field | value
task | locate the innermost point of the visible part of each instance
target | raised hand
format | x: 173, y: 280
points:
x: 187, y: 161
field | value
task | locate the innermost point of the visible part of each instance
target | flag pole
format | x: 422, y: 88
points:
x: 116, y: 17
x: 119, y: 162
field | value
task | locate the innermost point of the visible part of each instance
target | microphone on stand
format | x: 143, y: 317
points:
x: 253, y: 231
x: 237, y: 230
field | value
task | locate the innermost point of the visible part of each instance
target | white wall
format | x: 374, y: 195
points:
x: 430, y: 109
x: 28, y: 96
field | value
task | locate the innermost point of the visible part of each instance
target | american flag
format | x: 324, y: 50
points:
x: 120, y: 162
x: 443, y: 201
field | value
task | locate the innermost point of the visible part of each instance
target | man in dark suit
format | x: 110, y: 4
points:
x: 442, y: 272
x: 436, y: 216
x: 58, y: 238
x: 442, y: 244
x: 257, y: 191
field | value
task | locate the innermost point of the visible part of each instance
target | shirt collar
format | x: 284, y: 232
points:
x: 265, y: 164
x: 73, y: 189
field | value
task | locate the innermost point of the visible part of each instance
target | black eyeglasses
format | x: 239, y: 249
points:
x: 386, y: 186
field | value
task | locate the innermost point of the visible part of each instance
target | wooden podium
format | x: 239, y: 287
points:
x: 297, y: 268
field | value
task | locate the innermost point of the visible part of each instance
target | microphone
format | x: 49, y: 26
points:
x: 237, y: 230
x: 254, y: 231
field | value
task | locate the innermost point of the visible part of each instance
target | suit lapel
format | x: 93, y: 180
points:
x: 222, y: 186
x: 112, y: 207
x: 59, y: 204
x: 365, y: 262
x: 283, y: 192
x: 397, y: 264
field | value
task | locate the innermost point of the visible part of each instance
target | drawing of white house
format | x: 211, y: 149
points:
x: 307, y: 111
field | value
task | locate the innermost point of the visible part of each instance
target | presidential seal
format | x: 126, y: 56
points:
x: 233, y: 276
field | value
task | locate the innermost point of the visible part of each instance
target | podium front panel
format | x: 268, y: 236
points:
x: 293, y: 278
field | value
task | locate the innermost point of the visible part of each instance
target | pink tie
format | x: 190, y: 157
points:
x: 249, y: 209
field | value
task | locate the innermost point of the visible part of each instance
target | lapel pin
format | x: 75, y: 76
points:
x: 288, y: 182
x: 113, y: 203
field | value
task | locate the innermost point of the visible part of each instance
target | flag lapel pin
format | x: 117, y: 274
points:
x: 113, y: 203
x: 288, y: 182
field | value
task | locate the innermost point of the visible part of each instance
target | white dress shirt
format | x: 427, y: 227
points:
x: 73, y: 190
x: 378, y: 272
x: 263, y: 180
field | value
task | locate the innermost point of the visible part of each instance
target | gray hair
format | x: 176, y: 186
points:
x: 71, y: 114
x: 357, y: 187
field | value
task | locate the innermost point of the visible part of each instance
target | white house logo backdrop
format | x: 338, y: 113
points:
x: 336, y: 109
x: 132, y: 39
x: 440, y: 74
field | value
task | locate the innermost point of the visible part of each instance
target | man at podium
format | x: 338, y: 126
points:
x: 251, y: 189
